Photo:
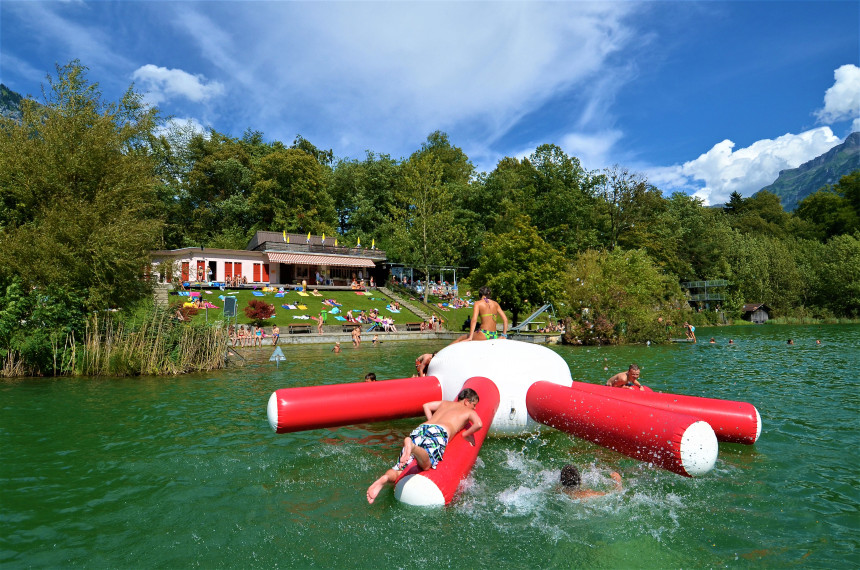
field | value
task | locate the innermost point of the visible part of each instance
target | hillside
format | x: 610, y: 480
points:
x: 10, y: 103
x: 795, y: 184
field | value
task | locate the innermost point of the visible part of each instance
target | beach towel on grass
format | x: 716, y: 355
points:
x: 302, y: 307
x: 257, y: 294
x: 303, y: 294
x: 221, y: 297
x: 183, y: 294
x: 288, y: 306
x: 338, y: 317
x: 316, y: 293
x: 194, y: 293
x: 392, y: 309
x: 279, y: 294
x: 303, y: 317
x: 334, y: 311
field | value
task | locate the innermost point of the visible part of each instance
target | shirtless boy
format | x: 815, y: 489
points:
x: 427, y: 442
x: 628, y: 379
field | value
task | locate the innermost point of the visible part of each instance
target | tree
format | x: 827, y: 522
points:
x: 623, y: 291
x: 77, y: 185
x: 423, y: 232
x: 289, y: 194
x: 521, y: 268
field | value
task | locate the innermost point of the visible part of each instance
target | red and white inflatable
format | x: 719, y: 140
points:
x: 523, y: 386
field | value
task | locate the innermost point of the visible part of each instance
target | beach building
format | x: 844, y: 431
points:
x: 272, y: 258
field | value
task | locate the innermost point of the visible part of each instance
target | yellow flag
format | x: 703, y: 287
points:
x: 335, y: 241
x: 359, y: 243
x: 309, y: 237
x: 285, y: 235
x: 323, y: 238
x: 373, y: 243
x: 288, y: 237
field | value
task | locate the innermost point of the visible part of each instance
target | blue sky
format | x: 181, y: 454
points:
x: 701, y: 97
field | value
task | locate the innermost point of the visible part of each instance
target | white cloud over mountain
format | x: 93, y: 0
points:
x: 714, y: 175
x: 842, y: 101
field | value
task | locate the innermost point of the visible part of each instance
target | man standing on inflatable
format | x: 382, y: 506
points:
x: 427, y: 442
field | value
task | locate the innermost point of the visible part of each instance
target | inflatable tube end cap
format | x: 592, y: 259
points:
x: 699, y: 448
x: 272, y: 411
x: 418, y: 491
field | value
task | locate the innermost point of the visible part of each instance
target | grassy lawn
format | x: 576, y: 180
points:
x: 348, y: 299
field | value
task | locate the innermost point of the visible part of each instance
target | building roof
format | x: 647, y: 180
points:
x: 753, y: 307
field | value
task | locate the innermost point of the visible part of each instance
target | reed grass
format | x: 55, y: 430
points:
x: 151, y: 342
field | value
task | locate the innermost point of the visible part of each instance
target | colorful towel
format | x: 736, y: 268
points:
x: 392, y: 309
x: 288, y: 306
x: 303, y: 294
x: 316, y: 294
x: 334, y: 311
x: 221, y: 297
x: 338, y: 317
x: 279, y: 294
x: 302, y: 307
x: 303, y: 317
x: 257, y: 294
x: 194, y: 293
x: 183, y: 294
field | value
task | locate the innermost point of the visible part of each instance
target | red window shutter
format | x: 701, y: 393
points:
x: 185, y: 265
x: 266, y: 272
x: 256, y: 273
x: 228, y: 270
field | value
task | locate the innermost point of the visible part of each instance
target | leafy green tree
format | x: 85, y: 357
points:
x: 423, y: 232
x: 289, y: 194
x: 623, y: 291
x: 521, y: 268
x: 77, y: 185
x: 840, y: 275
x: 557, y: 194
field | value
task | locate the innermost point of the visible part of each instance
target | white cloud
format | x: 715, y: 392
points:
x: 842, y: 101
x: 388, y: 74
x: 161, y: 84
x: 592, y: 150
x: 714, y: 175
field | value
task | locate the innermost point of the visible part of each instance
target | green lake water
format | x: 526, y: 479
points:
x: 184, y: 472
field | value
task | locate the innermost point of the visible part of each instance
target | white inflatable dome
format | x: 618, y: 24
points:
x: 513, y: 366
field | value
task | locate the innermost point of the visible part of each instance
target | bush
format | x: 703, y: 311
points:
x: 259, y: 312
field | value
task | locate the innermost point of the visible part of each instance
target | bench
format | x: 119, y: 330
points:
x: 300, y: 329
x: 351, y: 326
x: 413, y: 326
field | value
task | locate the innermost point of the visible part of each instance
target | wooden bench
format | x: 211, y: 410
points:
x: 349, y: 327
x: 300, y: 329
x: 413, y: 326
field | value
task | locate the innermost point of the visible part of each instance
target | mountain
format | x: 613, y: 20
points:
x: 795, y: 184
x: 10, y: 103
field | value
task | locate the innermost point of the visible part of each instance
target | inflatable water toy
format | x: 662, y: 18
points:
x: 523, y: 387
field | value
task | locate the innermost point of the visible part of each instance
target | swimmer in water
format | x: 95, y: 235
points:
x: 571, y: 480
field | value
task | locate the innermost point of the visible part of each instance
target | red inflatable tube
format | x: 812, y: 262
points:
x: 437, y: 486
x: 312, y: 407
x: 676, y: 442
x: 733, y: 422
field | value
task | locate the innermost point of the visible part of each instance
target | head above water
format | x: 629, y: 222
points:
x: 570, y: 476
x: 633, y: 370
x: 468, y: 394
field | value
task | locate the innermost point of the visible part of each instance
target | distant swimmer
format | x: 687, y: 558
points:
x: 571, y: 480
x: 628, y: 379
x: 789, y: 341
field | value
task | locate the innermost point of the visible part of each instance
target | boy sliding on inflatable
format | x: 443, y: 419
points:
x: 427, y: 442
